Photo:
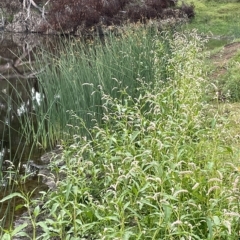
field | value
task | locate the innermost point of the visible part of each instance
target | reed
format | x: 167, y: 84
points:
x: 74, y: 78
x: 18, y: 144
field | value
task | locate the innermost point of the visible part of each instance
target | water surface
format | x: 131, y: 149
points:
x: 18, y: 95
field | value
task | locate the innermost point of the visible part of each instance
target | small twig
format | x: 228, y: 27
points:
x: 43, y: 9
x: 27, y: 5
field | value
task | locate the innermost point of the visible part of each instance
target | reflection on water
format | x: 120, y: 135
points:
x: 18, y: 91
x: 18, y: 85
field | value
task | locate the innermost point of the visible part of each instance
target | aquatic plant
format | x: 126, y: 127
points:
x: 73, y: 80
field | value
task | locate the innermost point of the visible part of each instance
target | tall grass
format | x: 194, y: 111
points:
x: 72, y: 80
x: 17, y: 145
x: 158, y: 168
x: 229, y: 82
x: 41, y: 118
x: 217, y: 19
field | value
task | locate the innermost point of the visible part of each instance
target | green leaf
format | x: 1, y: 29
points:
x: 23, y: 234
x: 44, y: 227
x: 12, y: 196
x: 216, y: 220
x: 167, y: 212
x: 145, y: 202
x: 19, y: 206
x: 69, y: 187
x: 229, y: 149
x: 54, y: 208
x: 113, y: 218
x: 127, y: 235
x: 209, y: 224
x: 19, y: 228
x: 6, y: 236
x: 75, y: 190
x: 126, y: 205
x: 134, y: 135
x: 36, y: 211
x: 98, y: 215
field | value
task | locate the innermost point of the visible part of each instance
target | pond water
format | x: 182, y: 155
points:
x: 18, y: 91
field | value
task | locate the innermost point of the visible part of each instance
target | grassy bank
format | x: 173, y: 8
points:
x: 161, y: 157
x: 219, y: 21
x: 161, y: 166
x: 218, y: 18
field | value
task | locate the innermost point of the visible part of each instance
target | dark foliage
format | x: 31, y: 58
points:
x: 159, y: 5
x: 68, y: 15
x: 11, y: 6
x: 188, y: 9
x: 137, y: 13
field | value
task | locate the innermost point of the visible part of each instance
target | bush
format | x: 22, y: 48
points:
x: 188, y: 9
x: 69, y: 14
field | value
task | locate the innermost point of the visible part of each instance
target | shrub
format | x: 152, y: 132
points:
x: 188, y: 9
x: 69, y: 14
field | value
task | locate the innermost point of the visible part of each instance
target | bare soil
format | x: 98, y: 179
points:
x: 221, y: 59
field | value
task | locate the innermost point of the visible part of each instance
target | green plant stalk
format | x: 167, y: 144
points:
x: 76, y: 77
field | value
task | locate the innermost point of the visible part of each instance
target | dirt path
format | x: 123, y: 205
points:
x: 222, y: 58
x: 231, y: 110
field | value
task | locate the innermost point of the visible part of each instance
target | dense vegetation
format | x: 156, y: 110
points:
x: 159, y: 168
x: 65, y: 14
x: 78, y: 16
x: 149, y: 151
